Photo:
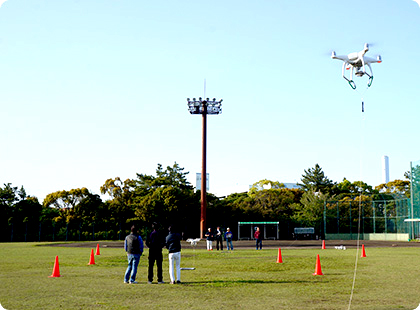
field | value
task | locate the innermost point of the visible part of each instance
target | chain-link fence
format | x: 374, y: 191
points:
x: 363, y: 218
x: 415, y: 199
x: 59, y: 231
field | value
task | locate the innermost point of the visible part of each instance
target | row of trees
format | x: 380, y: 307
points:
x: 168, y: 197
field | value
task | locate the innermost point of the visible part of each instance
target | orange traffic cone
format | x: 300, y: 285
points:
x: 97, y: 250
x: 318, y: 271
x: 56, y: 269
x: 279, y: 259
x: 92, y: 258
x: 363, y: 251
x: 323, y: 244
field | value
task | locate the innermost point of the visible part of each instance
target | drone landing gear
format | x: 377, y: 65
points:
x: 370, y: 81
x: 352, y: 84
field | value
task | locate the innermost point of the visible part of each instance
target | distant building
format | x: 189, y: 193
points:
x: 198, y: 182
x: 385, y: 169
x: 286, y: 185
x: 291, y: 185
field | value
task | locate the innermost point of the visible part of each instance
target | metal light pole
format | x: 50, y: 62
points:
x: 204, y: 107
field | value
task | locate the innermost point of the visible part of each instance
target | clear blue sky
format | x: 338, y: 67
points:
x: 95, y: 89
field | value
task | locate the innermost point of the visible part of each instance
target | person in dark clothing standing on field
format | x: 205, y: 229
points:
x: 219, y: 239
x: 258, y: 237
x: 155, y: 242
x: 173, y: 244
x: 133, y: 245
x: 209, y: 239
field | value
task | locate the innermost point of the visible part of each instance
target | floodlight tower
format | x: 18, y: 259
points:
x: 204, y: 107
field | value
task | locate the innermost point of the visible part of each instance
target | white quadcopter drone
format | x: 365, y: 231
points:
x: 357, y: 61
x: 193, y: 241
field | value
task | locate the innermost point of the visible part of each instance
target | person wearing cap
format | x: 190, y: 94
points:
x: 209, y: 239
x: 228, y: 238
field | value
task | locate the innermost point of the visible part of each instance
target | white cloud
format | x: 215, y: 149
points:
x: 1, y: 2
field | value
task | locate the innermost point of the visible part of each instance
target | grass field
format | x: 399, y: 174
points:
x: 388, y: 278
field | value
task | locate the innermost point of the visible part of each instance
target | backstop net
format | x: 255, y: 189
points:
x: 270, y: 230
x: 378, y: 219
x: 414, y: 221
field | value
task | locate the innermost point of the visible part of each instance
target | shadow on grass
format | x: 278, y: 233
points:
x: 239, y: 282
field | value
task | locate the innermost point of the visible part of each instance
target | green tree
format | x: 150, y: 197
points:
x: 77, y: 207
x: 263, y: 185
x: 310, y: 210
x: 167, y: 197
x: 19, y: 214
x: 315, y: 180
x: 347, y: 188
x: 396, y: 187
x: 66, y: 202
x: 121, y: 194
x: 240, y: 208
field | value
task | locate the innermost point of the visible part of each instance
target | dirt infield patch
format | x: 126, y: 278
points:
x: 246, y: 244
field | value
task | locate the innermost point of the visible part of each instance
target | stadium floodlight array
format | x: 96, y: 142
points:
x: 204, y: 106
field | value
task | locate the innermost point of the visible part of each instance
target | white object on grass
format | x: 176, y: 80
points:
x: 193, y: 241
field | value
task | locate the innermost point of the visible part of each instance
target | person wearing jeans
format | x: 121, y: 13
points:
x: 133, y: 245
x: 228, y: 237
x: 173, y: 244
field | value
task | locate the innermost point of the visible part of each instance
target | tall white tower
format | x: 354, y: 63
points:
x: 385, y: 169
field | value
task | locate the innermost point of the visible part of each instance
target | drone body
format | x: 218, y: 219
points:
x: 193, y: 241
x: 356, y: 63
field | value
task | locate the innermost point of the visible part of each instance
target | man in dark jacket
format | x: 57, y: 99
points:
x: 173, y: 244
x: 133, y: 245
x: 219, y: 238
x: 155, y: 242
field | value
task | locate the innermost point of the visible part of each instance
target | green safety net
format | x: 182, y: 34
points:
x: 369, y: 215
x: 415, y: 197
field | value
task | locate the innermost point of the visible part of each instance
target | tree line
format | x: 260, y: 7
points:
x: 167, y: 197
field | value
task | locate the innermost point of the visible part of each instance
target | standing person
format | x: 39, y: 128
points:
x: 209, y: 239
x: 155, y: 243
x: 228, y: 237
x: 173, y: 244
x: 219, y: 239
x: 133, y: 245
x: 258, y: 237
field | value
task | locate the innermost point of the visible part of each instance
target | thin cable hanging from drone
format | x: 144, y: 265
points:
x: 357, y: 62
x: 362, y: 143
x: 362, y: 97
